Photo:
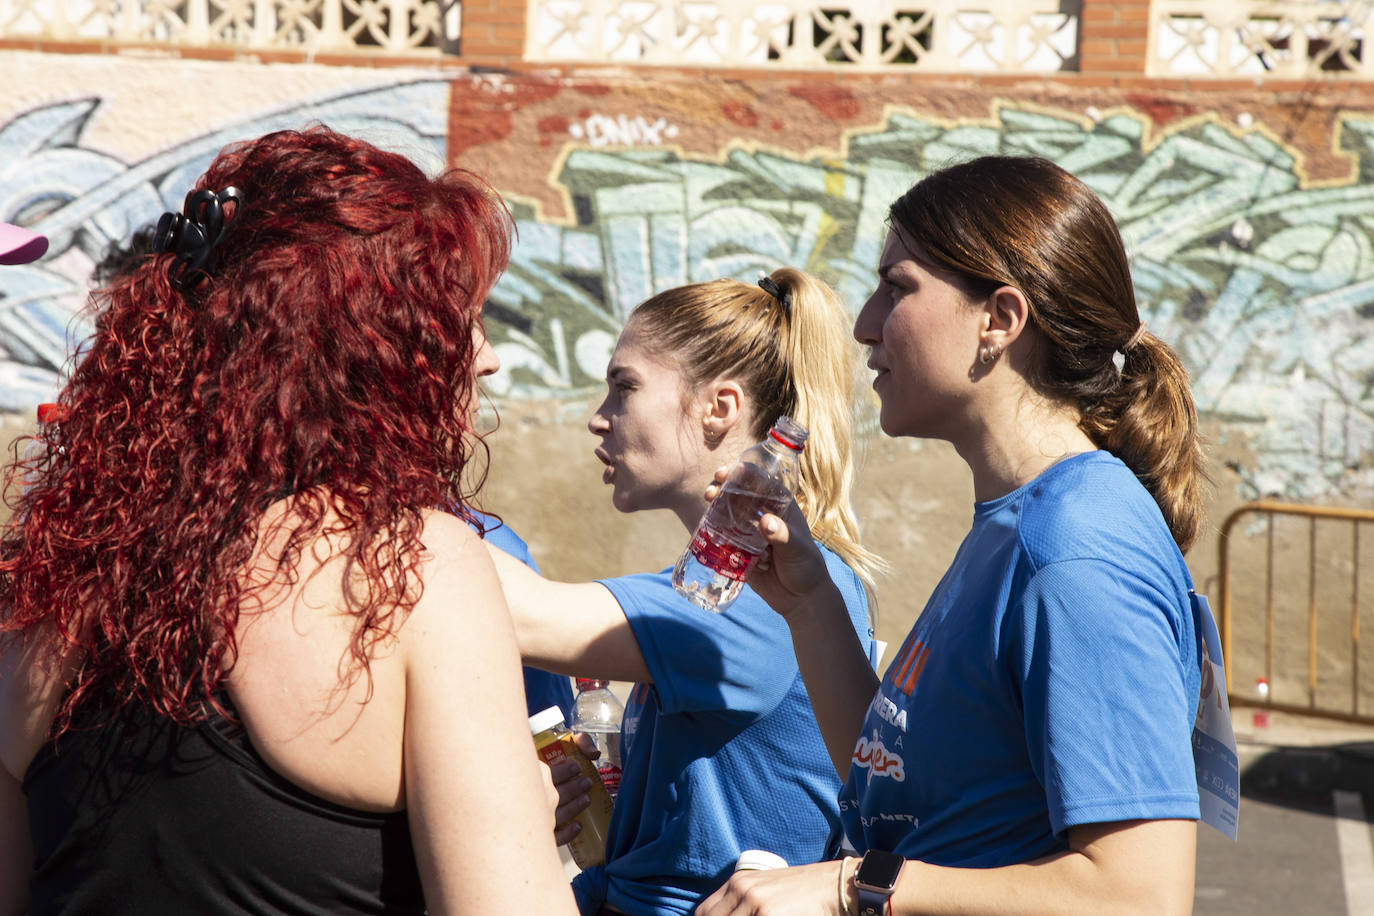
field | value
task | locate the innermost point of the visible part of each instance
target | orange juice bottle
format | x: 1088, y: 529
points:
x: 554, y: 744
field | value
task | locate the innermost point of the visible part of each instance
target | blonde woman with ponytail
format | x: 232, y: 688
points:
x: 1029, y: 748
x: 721, y: 751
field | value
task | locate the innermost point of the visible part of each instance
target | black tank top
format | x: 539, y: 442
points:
x: 140, y: 815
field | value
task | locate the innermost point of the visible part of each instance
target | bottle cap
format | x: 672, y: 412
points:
x: 789, y: 432
x: 590, y: 683
x: 759, y: 860
x: 546, y: 719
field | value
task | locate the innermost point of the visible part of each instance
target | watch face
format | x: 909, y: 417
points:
x: 879, y: 870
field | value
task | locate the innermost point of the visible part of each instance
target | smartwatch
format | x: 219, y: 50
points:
x: 876, y: 879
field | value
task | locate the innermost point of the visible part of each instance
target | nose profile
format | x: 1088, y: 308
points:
x: 866, y: 327
x: 597, y: 424
x: 485, y: 361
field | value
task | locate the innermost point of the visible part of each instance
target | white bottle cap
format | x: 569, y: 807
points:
x: 546, y: 719
x: 759, y: 860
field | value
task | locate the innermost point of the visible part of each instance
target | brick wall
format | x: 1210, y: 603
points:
x: 493, y: 33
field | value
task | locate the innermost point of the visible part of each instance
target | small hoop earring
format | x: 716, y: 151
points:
x: 988, y: 353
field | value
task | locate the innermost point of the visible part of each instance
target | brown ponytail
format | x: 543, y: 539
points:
x: 1150, y: 423
x: 1026, y: 222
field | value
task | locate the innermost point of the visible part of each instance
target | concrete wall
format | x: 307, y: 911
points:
x: 1248, y: 212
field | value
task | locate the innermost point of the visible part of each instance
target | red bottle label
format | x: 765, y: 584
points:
x: 730, y: 561
x: 610, y: 775
x: 552, y: 753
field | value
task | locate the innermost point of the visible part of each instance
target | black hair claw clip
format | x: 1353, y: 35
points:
x: 193, y: 234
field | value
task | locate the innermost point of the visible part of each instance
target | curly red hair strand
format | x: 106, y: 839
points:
x: 328, y: 355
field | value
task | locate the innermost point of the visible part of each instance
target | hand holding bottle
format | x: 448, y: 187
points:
x: 728, y: 542
x: 791, y: 569
x: 572, y: 790
x: 557, y: 746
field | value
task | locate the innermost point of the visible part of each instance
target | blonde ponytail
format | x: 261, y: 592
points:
x: 823, y: 357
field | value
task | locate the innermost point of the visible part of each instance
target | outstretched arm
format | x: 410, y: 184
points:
x: 569, y: 628
x: 1126, y: 867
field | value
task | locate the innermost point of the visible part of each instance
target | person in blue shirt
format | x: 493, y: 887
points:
x: 720, y: 748
x: 1029, y: 748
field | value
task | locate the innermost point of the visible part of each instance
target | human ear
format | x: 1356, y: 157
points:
x: 724, y: 408
x: 1006, y: 314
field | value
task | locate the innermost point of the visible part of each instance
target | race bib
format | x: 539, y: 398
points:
x: 1214, y: 743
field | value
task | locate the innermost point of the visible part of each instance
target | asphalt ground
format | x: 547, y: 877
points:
x: 1305, y: 843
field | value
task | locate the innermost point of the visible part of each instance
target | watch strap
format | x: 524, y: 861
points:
x: 872, y: 903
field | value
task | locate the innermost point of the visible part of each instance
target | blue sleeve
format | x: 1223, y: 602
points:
x: 1108, y: 699
x: 502, y: 536
x: 739, y: 661
x: 544, y: 689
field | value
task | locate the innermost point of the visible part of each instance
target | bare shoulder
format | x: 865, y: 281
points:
x: 461, y: 588
x: 456, y: 558
x: 448, y: 537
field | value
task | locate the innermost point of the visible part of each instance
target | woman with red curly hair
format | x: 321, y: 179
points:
x: 241, y: 658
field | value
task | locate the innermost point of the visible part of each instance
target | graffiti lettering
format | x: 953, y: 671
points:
x: 602, y: 130
x: 1263, y: 285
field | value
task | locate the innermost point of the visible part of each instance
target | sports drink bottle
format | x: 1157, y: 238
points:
x: 554, y: 744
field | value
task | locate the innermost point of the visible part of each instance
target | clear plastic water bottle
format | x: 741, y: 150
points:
x: 727, y: 543
x: 597, y: 712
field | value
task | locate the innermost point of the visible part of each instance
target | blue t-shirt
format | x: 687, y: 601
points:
x: 542, y: 688
x: 721, y: 753
x: 1051, y: 681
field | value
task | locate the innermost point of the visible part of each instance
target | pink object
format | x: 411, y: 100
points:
x: 19, y: 245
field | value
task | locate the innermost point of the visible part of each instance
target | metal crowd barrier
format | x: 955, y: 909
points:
x: 1315, y: 705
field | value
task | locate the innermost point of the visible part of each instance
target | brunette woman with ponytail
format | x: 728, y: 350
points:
x: 241, y: 657
x: 1029, y: 748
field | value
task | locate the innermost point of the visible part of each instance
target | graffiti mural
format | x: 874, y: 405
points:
x: 1265, y: 287
x: 85, y: 200
x: 1262, y: 282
